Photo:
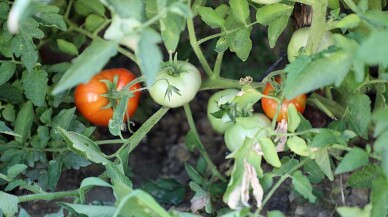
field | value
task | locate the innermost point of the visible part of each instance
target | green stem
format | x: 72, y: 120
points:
x: 135, y: 139
x: 217, y: 65
x: 110, y: 141
x: 101, y: 27
x: 201, y: 148
x: 66, y: 15
x: 297, y: 133
x: 195, y: 46
x: 36, y: 149
x: 222, y: 83
x: 318, y: 25
x: 352, y: 6
x: 2, y: 176
x: 328, y: 106
x: 274, y: 120
x: 281, y: 180
x: 376, y: 81
x: 48, y: 196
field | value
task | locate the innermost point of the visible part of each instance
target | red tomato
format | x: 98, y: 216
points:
x: 90, y: 103
x: 270, y: 105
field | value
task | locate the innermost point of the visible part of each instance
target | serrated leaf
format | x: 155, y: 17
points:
x: 240, y: 10
x: 303, y: 186
x: 47, y: 15
x: 171, y: 27
x: 240, y: 43
x: 354, y: 159
x: 359, y: 114
x: 23, y: 122
x: 269, y: 13
x: 7, y: 69
x: 35, y: 86
x: 211, y: 17
x: 329, y: 69
x: 89, y: 63
x: 149, y: 55
x: 67, y: 47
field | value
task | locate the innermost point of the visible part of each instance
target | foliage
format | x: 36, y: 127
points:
x: 42, y: 134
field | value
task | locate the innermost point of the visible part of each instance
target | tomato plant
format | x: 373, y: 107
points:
x: 299, y: 40
x: 270, y: 105
x: 176, y: 84
x: 246, y: 127
x: 95, y: 100
x: 219, y: 110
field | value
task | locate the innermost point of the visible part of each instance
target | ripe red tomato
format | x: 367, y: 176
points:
x: 270, y: 105
x: 90, y: 103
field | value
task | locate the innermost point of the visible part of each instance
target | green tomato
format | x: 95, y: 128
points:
x: 299, y: 40
x: 246, y: 127
x: 214, y: 105
x: 180, y: 80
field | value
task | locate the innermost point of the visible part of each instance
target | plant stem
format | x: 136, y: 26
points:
x: 222, y: 83
x: 318, y: 25
x: 66, y: 15
x: 48, y: 196
x: 376, y: 81
x: 352, y: 6
x: 201, y: 148
x: 281, y: 180
x: 195, y: 46
x: 109, y: 141
x: 217, y: 65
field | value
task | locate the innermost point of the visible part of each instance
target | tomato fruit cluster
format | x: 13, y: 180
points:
x: 90, y: 97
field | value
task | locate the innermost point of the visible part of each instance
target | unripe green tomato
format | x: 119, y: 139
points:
x: 245, y: 127
x: 299, y: 40
x: 185, y: 77
x: 218, y: 98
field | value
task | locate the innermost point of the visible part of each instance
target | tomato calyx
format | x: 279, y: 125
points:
x: 113, y: 94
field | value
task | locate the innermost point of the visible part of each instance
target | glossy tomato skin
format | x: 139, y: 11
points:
x: 89, y: 101
x: 220, y: 124
x: 187, y: 81
x: 269, y: 105
x: 299, y: 40
x: 246, y: 127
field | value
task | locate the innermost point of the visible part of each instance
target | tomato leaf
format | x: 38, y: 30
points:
x: 89, y: 63
x: 149, y: 55
x: 345, y: 211
x: 276, y: 28
x: 90, y: 182
x: 293, y: 118
x: 35, y: 86
x: 363, y: 178
x: 298, y: 146
x: 211, y: 17
x: 240, y: 43
x: 115, y: 123
x: 93, y: 21
x: 171, y: 27
x: 379, y: 197
x: 354, y: 159
x: 269, y: 13
x: 9, y: 204
x: 374, y: 51
x: 47, y: 15
x: 303, y: 186
x: 6, y: 130
x: 125, y: 9
x: 23, y: 122
x: 87, y: 7
x: 358, y: 116
x: 240, y: 10
x: 67, y: 47
x: 269, y: 151
x: 323, y: 161
x: 88, y: 210
x: 315, y: 175
x: 7, y: 70
x: 54, y: 172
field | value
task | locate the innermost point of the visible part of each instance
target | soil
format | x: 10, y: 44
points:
x: 162, y: 154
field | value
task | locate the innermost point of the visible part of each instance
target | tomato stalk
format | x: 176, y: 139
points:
x: 48, y: 196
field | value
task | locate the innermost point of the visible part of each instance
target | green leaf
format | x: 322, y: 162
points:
x: 141, y: 203
x: 354, y: 159
x: 89, y: 210
x: 93, y: 21
x: 303, y: 186
x: 270, y: 153
x: 22, y: 44
x: 315, y: 175
x: 269, y: 13
x: 222, y: 45
x: 9, y: 204
x: 275, y: 213
x: 23, y: 122
x: 373, y: 50
x: 323, y: 161
x: 35, y: 86
x: 6, y: 130
x: 363, y: 178
x: 83, y: 146
x: 293, y: 118
x: 115, y: 123
x: 240, y: 10
x: 326, y: 138
x: 54, y: 172
x: 67, y: 47
x: 240, y: 43
x: 193, y: 174
x: 171, y: 27
x: 211, y: 17
x: 354, y: 211
x: 359, y: 114
x: 47, y: 15
x: 298, y: 146
x: 89, y: 182
x: 71, y: 160
x: 86, y: 7
x: 349, y: 22
x: 89, y: 63
x: 15, y: 170
x: 165, y: 191
x: 288, y: 164
x: 9, y: 113
x: 276, y: 28
x: 379, y: 197
x: 125, y: 9
x: 7, y: 70
x: 200, y: 195
x: 149, y: 55
x: 380, y: 117
x: 326, y: 70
